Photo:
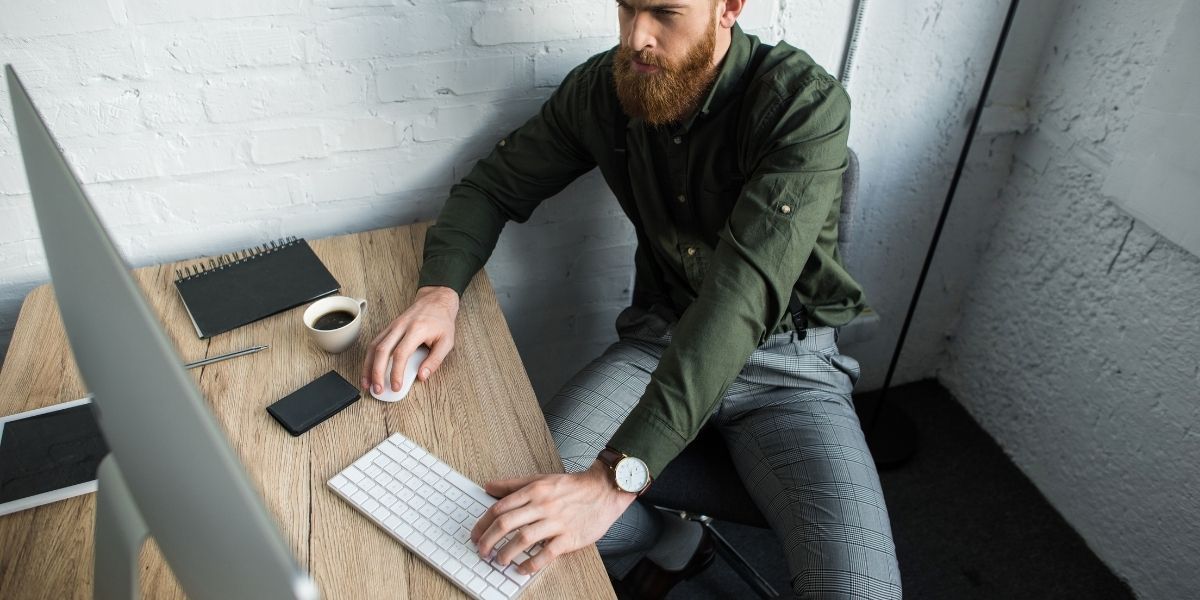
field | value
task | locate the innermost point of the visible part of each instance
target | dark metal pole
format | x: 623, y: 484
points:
x: 937, y: 232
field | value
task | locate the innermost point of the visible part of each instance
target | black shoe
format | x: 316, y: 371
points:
x: 648, y: 581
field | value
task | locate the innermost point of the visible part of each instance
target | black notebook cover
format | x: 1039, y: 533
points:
x: 253, y: 284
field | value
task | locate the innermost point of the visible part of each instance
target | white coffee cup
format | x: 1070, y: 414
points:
x: 339, y: 338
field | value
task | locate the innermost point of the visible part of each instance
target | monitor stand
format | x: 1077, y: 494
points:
x: 120, y: 533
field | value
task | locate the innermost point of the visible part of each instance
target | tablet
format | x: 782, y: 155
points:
x: 49, y: 454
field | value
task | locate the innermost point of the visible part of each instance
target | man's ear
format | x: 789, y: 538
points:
x: 728, y: 11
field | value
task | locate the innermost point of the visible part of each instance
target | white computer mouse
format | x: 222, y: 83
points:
x: 410, y: 375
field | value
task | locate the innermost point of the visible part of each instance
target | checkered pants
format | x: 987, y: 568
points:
x: 793, y: 435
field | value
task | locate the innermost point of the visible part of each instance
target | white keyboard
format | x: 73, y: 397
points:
x: 430, y: 508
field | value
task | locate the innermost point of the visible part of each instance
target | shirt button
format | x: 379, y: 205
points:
x: 785, y: 209
x: 503, y: 142
x: 681, y: 198
x: 691, y: 251
x: 678, y: 140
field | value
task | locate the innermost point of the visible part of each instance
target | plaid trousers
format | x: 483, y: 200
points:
x: 794, y: 438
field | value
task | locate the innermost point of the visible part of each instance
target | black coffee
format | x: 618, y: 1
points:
x: 334, y: 320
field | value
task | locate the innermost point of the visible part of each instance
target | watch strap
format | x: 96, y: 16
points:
x: 610, y: 457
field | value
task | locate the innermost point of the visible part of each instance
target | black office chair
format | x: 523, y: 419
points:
x: 702, y: 484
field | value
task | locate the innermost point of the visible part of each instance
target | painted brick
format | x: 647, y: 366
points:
x: 293, y: 94
x: 12, y: 175
x: 168, y: 107
x: 108, y: 55
x: 758, y: 15
x: 108, y: 112
x: 353, y: 3
x: 342, y: 184
x: 115, y: 158
x: 456, y: 77
x: 167, y: 11
x: 545, y: 23
x: 186, y: 155
x: 54, y: 17
x: 22, y: 257
x: 38, y: 64
x: 429, y: 169
x: 365, y: 134
x: 286, y: 145
x: 215, y: 48
x: 488, y: 120
x: 550, y: 67
x: 224, y: 199
x: 373, y: 37
x: 19, y: 219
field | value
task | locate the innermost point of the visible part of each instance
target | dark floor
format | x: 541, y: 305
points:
x: 967, y: 524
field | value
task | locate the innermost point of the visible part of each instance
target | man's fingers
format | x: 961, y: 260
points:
x: 525, y: 537
x: 408, y: 344
x: 500, y: 488
x: 506, y: 524
x: 550, y: 551
x: 437, y: 353
x: 380, y: 354
x: 509, y: 502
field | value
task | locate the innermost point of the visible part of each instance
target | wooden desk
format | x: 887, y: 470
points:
x: 478, y: 413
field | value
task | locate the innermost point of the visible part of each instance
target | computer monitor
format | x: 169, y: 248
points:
x: 171, y: 472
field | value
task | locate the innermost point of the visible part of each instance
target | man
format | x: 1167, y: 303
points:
x: 727, y: 156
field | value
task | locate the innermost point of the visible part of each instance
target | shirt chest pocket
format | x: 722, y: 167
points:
x: 715, y: 198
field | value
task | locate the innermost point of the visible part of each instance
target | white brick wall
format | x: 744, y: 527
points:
x: 200, y: 127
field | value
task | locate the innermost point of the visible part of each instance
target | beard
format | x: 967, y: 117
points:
x: 671, y: 93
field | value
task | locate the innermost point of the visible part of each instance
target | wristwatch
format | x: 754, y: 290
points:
x: 630, y: 474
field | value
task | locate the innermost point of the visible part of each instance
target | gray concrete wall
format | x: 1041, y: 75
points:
x: 1079, y: 344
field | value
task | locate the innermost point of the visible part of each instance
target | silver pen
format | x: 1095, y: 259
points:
x: 226, y: 356
x: 209, y: 361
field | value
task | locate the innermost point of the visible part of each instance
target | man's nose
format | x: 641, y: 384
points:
x: 641, y: 31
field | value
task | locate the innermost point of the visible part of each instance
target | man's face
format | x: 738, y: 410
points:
x: 665, y: 62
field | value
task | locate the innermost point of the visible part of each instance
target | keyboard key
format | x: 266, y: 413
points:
x: 370, y: 505
x: 492, y: 594
x: 453, y: 493
x: 476, y: 509
x: 511, y: 573
x: 441, y: 468
x: 339, y: 481
x: 439, y: 557
x: 477, y: 585
x: 508, y: 588
x: 427, y: 547
x: 460, y: 516
x: 387, y: 500
x: 381, y: 513
x: 482, y: 569
x: 428, y: 460
x: 392, y: 522
x: 496, y: 578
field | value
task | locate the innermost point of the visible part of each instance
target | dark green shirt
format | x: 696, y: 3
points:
x: 737, y: 209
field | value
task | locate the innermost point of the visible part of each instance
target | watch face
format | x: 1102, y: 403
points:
x: 632, y: 475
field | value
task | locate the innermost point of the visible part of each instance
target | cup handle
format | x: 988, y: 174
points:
x: 362, y: 305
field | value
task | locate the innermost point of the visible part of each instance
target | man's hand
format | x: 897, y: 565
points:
x: 429, y: 321
x: 568, y: 512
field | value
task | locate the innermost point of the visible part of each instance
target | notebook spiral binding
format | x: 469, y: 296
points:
x: 233, y: 258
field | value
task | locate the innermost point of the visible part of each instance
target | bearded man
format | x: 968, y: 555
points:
x: 726, y: 155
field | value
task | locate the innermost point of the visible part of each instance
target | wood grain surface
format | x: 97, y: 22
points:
x: 478, y: 413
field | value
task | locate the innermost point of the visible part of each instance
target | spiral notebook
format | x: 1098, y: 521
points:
x: 243, y: 287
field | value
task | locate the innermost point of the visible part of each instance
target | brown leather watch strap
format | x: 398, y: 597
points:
x: 610, y: 457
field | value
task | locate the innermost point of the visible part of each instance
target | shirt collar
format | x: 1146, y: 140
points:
x: 733, y: 66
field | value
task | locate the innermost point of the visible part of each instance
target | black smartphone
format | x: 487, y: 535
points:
x: 308, y: 406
